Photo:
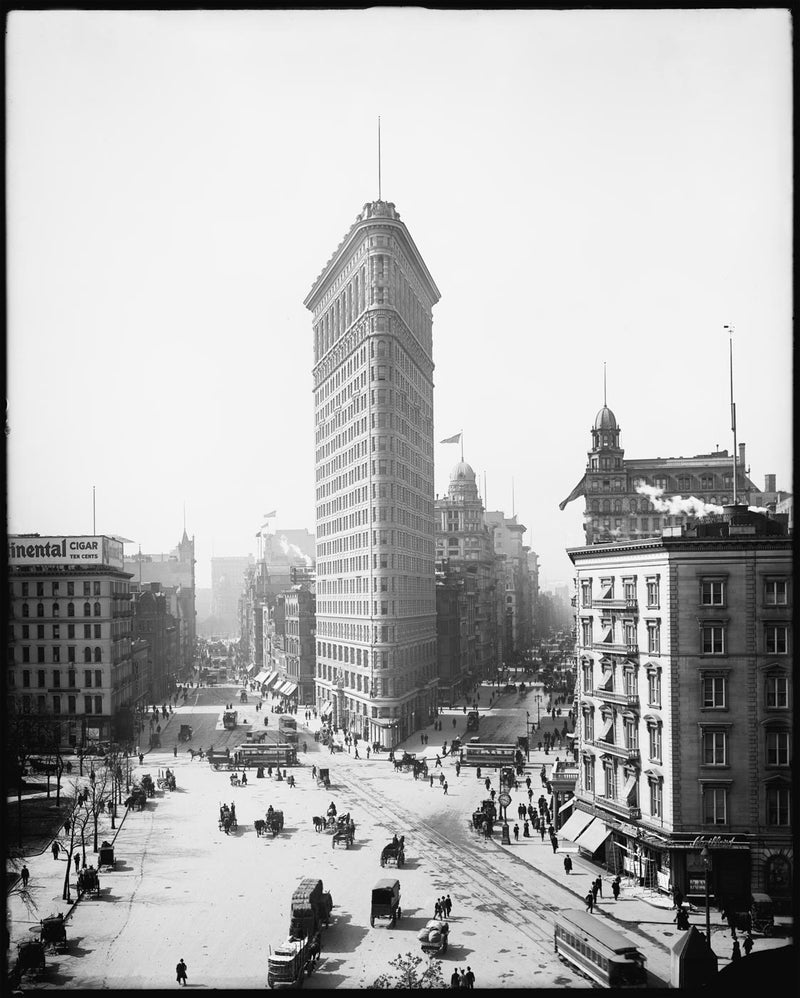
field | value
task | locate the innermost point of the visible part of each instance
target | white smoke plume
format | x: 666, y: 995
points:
x: 292, y: 549
x: 677, y: 505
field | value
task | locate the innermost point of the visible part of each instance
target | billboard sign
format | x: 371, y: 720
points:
x: 94, y: 550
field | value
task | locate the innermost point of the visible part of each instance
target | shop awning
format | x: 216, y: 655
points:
x: 592, y: 837
x: 271, y: 679
x: 566, y: 805
x: 289, y: 689
x: 261, y: 677
x: 326, y: 709
x: 251, y: 669
x: 575, y: 824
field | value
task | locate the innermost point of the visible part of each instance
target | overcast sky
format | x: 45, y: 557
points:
x: 584, y: 186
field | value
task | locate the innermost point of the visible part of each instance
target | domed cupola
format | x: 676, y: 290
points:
x: 605, y: 420
x: 462, y: 482
x: 605, y: 432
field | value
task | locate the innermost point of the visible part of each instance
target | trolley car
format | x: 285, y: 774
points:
x: 605, y: 955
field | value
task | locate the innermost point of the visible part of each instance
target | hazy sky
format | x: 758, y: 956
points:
x: 584, y: 186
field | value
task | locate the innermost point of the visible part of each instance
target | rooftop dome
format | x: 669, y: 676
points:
x: 605, y: 420
x: 462, y: 472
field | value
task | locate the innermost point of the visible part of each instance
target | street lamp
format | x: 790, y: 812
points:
x: 705, y: 855
x: 528, y: 733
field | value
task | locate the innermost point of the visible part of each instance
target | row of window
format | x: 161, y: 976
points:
x: 26, y: 588
x: 713, y: 636
x: 55, y: 610
x: 41, y: 678
x: 89, y: 631
x: 91, y: 704
x: 55, y: 654
x: 712, y: 591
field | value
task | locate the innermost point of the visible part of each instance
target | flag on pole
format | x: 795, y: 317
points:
x: 451, y: 440
x: 268, y: 515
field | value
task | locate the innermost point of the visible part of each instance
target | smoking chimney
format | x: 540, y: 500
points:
x: 769, y: 483
x: 741, y: 457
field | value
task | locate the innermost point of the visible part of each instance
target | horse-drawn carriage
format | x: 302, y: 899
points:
x: 52, y: 934
x: 147, y: 784
x: 88, y: 882
x: 345, y: 832
x: 167, y: 781
x: 324, y: 777
x: 185, y: 733
x: 385, y: 902
x: 405, y: 762
x: 394, y: 854
x: 274, y: 821
x: 105, y: 856
x: 30, y: 960
x: 227, y: 819
x: 137, y: 799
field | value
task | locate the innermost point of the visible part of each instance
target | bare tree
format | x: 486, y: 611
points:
x: 19, y: 889
x: 79, y: 820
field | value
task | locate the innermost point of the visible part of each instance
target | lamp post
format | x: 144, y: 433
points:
x: 538, y: 710
x: 706, y: 858
x: 528, y: 733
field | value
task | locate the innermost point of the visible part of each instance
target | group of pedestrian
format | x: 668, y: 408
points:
x: 462, y: 978
x: 442, y: 907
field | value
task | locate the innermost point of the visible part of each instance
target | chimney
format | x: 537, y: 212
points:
x: 741, y: 457
x: 769, y: 483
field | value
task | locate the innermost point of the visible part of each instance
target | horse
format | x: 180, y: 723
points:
x: 319, y: 823
x: 260, y: 826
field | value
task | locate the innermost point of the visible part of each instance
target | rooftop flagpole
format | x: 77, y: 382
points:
x: 379, y: 157
x: 733, y: 409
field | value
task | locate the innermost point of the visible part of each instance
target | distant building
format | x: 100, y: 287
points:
x: 227, y: 582
x: 684, y: 704
x: 616, y: 509
x: 516, y: 581
x: 70, y: 661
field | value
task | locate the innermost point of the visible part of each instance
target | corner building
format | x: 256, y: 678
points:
x: 373, y: 403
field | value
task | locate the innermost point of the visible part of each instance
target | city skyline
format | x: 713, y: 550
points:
x: 610, y: 188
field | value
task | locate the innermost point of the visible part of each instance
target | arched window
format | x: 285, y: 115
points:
x: 87, y: 609
x: 25, y: 610
x: 55, y: 609
x: 70, y: 609
x: 40, y: 609
x: 97, y: 609
x: 617, y: 505
x: 98, y: 655
x: 595, y: 505
x: 606, y: 506
x: 632, y: 504
x: 87, y: 654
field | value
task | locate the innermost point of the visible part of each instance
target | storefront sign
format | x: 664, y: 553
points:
x: 711, y: 842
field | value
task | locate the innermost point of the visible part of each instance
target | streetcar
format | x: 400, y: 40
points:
x: 482, y: 754
x: 605, y: 955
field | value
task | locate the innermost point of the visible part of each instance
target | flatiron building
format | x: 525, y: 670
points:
x: 373, y: 404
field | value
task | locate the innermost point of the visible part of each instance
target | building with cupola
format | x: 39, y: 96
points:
x: 373, y: 422
x: 615, y: 506
x: 469, y: 591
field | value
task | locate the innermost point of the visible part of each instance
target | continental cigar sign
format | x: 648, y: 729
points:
x: 94, y: 550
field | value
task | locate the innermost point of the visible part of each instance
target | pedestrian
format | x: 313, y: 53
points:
x: 141, y: 758
x: 368, y: 751
x: 748, y: 944
x: 487, y: 782
x: 470, y: 978
x: 595, y: 889
x: 677, y: 897
x: 445, y: 788
x: 448, y: 906
x: 554, y: 842
x: 462, y: 980
x: 615, y: 887
x: 438, y: 762
x: 736, y: 953
x: 455, y: 980
x: 180, y: 972
x: 530, y: 794
x: 431, y: 779
x: 589, y: 902
x: 528, y: 782
x: 356, y: 752
x: 526, y: 830
x: 567, y: 865
x: 454, y: 722
x: 599, y: 883
x: 493, y: 793
x: 77, y: 859
x: 541, y: 830
x: 682, y: 919
x: 66, y: 827
x: 437, y: 909
x: 175, y: 751
x: 25, y: 874
x: 516, y: 832
x: 458, y: 769
x: 54, y: 848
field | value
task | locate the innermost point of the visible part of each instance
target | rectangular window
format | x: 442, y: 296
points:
x: 87, y: 589
x: 87, y: 677
x: 629, y: 587
x: 56, y: 631
x: 98, y: 677
x: 87, y: 705
x: 588, y: 726
x: 610, y: 774
x: 653, y: 592
x: 87, y: 630
x: 654, y: 732
x: 40, y: 655
x: 56, y: 679
x: 714, y: 692
x: 71, y: 678
x: 776, y: 592
x: 26, y: 653
x: 70, y: 653
x: 712, y: 639
x: 588, y: 775
x: 40, y: 680
x: 653, y: 637
x: 71, y: 705
x: 779, y: 806
x: 778, y: 692
x: 97, y: 630
x: 56, y: 704
x: 712, y: 592
x: 715, y: 806
x: 586, y: 592
x: 70, y: 589
x: 776, y: 639
x: 70, y: 631
x: 98, y: 705
x: 656, y: 798
x: 586, y: 631
x: 26, y: 677
x: 777, y: 748
x: 607, y: 588
x: 586, y: 673
x: 715, y: 748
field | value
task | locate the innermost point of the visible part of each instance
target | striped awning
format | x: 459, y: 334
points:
x: 271, y: 680
x: 326, y: 709
x: 289, y: 689
x: 261, y: 677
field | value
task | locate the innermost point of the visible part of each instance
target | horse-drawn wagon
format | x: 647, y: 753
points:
x: 345, y: 832
x: 385, y: 902
x: 434, y: 936
x: 274, y: 821
x: 394, y: 854
x: 289, y: 963
x: 185, y: 733
x: 30, y: 958
x: 137, y: 799
x: 105, y: 855
x: 324, y: 777
x: 88, y: 882
x: 146, y: 783
x: 52, y: 934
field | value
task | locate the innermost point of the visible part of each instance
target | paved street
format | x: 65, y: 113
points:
x: 182, y: 888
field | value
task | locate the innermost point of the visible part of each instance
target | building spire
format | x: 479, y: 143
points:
x: 604, y: 385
